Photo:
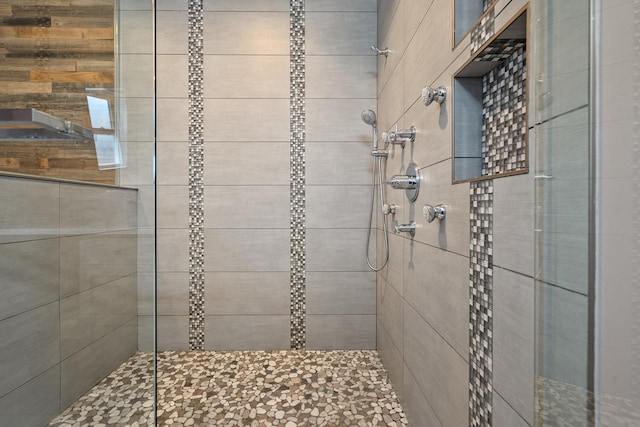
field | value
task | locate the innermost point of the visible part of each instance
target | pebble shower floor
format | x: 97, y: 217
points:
x: 243, y: 388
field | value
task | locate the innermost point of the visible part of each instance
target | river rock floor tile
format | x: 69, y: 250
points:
x: 243, y: 388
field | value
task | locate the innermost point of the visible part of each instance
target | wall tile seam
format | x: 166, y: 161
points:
x: 511, y: 407
x: 436, y: 331
x: 435, y: 413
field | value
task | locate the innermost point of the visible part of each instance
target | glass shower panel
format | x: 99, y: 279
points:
x: 563, y: 228
x: 77, y: 212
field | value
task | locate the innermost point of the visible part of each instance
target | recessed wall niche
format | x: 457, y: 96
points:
x: 490, y: 107
x: 466, y: 14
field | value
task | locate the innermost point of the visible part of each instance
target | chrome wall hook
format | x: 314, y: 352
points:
x: 384, y: 52
x: 429, y: 95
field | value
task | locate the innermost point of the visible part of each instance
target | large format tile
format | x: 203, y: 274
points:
x: 341, y: 293
x: 246, y: 76
x: 173, y: 119
x: 137, y: 37
x: 437, y: 287
x: 172, y: 163
x: 330, y: 332
x: 393, y: 273
x: 247, y: 163
x: 441, y: 373
x: 342, y: 6
x: 90, y: 209
x: 247, y: 249
x: 172, y: 76
x: 172, y: 206
x: 136, y: 119
x: 340, y: 33
x: 172, y: 332
x: 88, y: 316
x: 337, y: 163
x: 415, y: 404
x: 391, y: 357
x: 247, y: 332
x: 340, y: 76
x: 337, y: 120
x: 247, y: 120
x: 236, y: 206
x: 33, y: 212
x: 30, y: 345
x: 343, y: 206
x: 336, y: 250
x: 92, y: 260
x: 246, y: 293
x: 246, y: 33
x: 504, y: 415
x: 30, y: 274
x: 136, y: 75
x: 85, y: 368
x: 247, y: 5
x: 173, y: 250
x: 34, y: 403
x: 172, y: 294
x: 173, y: 39
x: 513, y: 340
x: 513, y: 223
x: 390, y: 312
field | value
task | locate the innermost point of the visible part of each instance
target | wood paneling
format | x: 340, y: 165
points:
x: 51, y: 52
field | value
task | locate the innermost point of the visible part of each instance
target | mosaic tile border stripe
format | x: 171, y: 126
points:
x: 483, y: 30
x: 504, y: 111
x: 196, y: 175
x: 297, y: 174
x: 481, y: 304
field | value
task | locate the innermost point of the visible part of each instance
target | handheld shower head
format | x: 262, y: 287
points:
x: 369, y: 117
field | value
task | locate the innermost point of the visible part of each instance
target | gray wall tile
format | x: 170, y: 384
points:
x: 513, y: 340
x: 249, y: 163
x: 138, y: 37
x: 30, y: 346
x: 247, y: 250
x: 341, y: 293
x: 90, y: 209
x: 172, y: 163
x: 172, y: 294
x: 437, y: 287
x: 33, y: 404
x: 504, y: 415
x: 135, y: 74
x: 92, y: 260
x: 390, y: 311
x: 337, y: 120
x: 136, y: 119
x: 172, y: 205
x: 173, y: 120
x: 246, y: 76
x: 246, y: 206
x: 247, y: 5
x: 248, y: 120
x: 336, y: 250
x: 28, y: 218
x: 173, y: 332
x: 172, y: 77
x: 85, y: 368
x: 392, y: 360
x: 88, y: 316
x: 344, y: 206
x: 246, y: 293
x: 339, y: 5
x: 337, y: 163
x: 442, y: 375
x: 330, y: 332
x: 340, y: 76
x: 340, y: 33
x: 173, y: 250
x: 31, y: 275
x: 247, y: 332
x: 416, y: 406
x: 173, y: 39
x: 243, y: 33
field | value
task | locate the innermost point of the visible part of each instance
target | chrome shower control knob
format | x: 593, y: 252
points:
x: 389, y: 209
x: 433, y: 212
x: 429, y: 95
x: 405, y: 228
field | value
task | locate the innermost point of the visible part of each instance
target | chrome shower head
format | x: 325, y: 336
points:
x: 369, y: 117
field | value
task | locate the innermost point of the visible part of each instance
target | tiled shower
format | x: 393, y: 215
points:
x: 242, y: 220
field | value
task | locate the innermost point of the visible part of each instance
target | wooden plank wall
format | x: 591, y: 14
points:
x: 51, y: 52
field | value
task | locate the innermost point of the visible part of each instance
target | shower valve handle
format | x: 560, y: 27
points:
x: 389, y: 209
x: 403, y: 182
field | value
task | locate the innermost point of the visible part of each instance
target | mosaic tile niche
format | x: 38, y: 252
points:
x: 297, y: 175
